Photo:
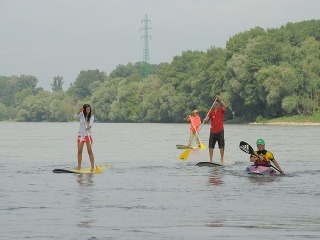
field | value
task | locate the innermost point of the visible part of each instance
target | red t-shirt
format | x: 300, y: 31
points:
x: 216, y: 119
x: 195, y: 122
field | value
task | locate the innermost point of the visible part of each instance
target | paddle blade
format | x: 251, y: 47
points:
x: 202, y: 146
x: 246, y: 147
x: 185, y: 155
x: 98, y: 169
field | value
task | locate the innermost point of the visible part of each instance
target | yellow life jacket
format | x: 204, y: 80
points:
x: 267, y: 157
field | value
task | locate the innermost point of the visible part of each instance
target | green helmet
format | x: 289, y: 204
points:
x: 260, y: 141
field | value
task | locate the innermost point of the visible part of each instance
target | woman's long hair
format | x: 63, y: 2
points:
x: 86, y: 116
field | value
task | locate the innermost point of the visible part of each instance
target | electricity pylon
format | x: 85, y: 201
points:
x: 146, y: 37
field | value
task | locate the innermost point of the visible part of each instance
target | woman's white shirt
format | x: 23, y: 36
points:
x: 82, y: 129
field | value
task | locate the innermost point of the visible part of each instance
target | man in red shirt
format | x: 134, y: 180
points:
x: 216, y: 115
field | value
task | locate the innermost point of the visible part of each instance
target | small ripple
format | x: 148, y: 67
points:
x: 137, y: 206
x: 22, y: 208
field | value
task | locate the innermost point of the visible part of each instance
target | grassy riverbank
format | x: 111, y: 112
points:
x: 289, y: 120
x: 313, y: 119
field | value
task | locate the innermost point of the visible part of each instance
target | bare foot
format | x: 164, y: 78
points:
x: 78, y: 168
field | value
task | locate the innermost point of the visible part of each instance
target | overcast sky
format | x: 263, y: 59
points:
x: 47, y: 38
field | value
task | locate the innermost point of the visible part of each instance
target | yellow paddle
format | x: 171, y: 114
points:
x: 185, y: 154
x: 98, y: 169
x: 202, y: 146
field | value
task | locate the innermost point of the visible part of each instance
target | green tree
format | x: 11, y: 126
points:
x: 3, y: 110
x: 309, y: 55
x: 128, y: 99
x: 103, y: 97
x: 278, y: 82
x: 82, y: 87
x: 123, y: 71
x: 238, y: 42
x: 57, y: 84
x: 19, y: 97
x: 23, y: 82
x: 6, y: 91
x: 212, y: 77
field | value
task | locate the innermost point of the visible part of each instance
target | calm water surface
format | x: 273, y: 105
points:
x: 149, y: 193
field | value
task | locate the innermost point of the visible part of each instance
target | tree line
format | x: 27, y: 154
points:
x: 261, y: 73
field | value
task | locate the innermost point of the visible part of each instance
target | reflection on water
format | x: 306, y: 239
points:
x: 215, y: 177
x: 85, y: 180
x: 85, y: 224
x: 261, y: 180
x: 84, y: 204
x: 216, y: 223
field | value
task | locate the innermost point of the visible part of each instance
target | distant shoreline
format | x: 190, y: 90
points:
x: 288, y: 123
x: 227, y: 122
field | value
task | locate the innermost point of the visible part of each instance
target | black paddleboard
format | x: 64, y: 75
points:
x: 62, y: 171
x: 208, y: 164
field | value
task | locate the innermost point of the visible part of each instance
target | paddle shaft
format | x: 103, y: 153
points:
x: 270, y: 162
x: 207, y: 114
x: 276, y: 168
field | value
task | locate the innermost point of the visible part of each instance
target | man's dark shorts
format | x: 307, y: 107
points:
x: 216, y: 137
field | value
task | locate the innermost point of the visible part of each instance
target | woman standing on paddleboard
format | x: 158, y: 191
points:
x: 86, y: 119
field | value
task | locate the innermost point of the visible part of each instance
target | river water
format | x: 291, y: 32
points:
x: 149, y: 193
